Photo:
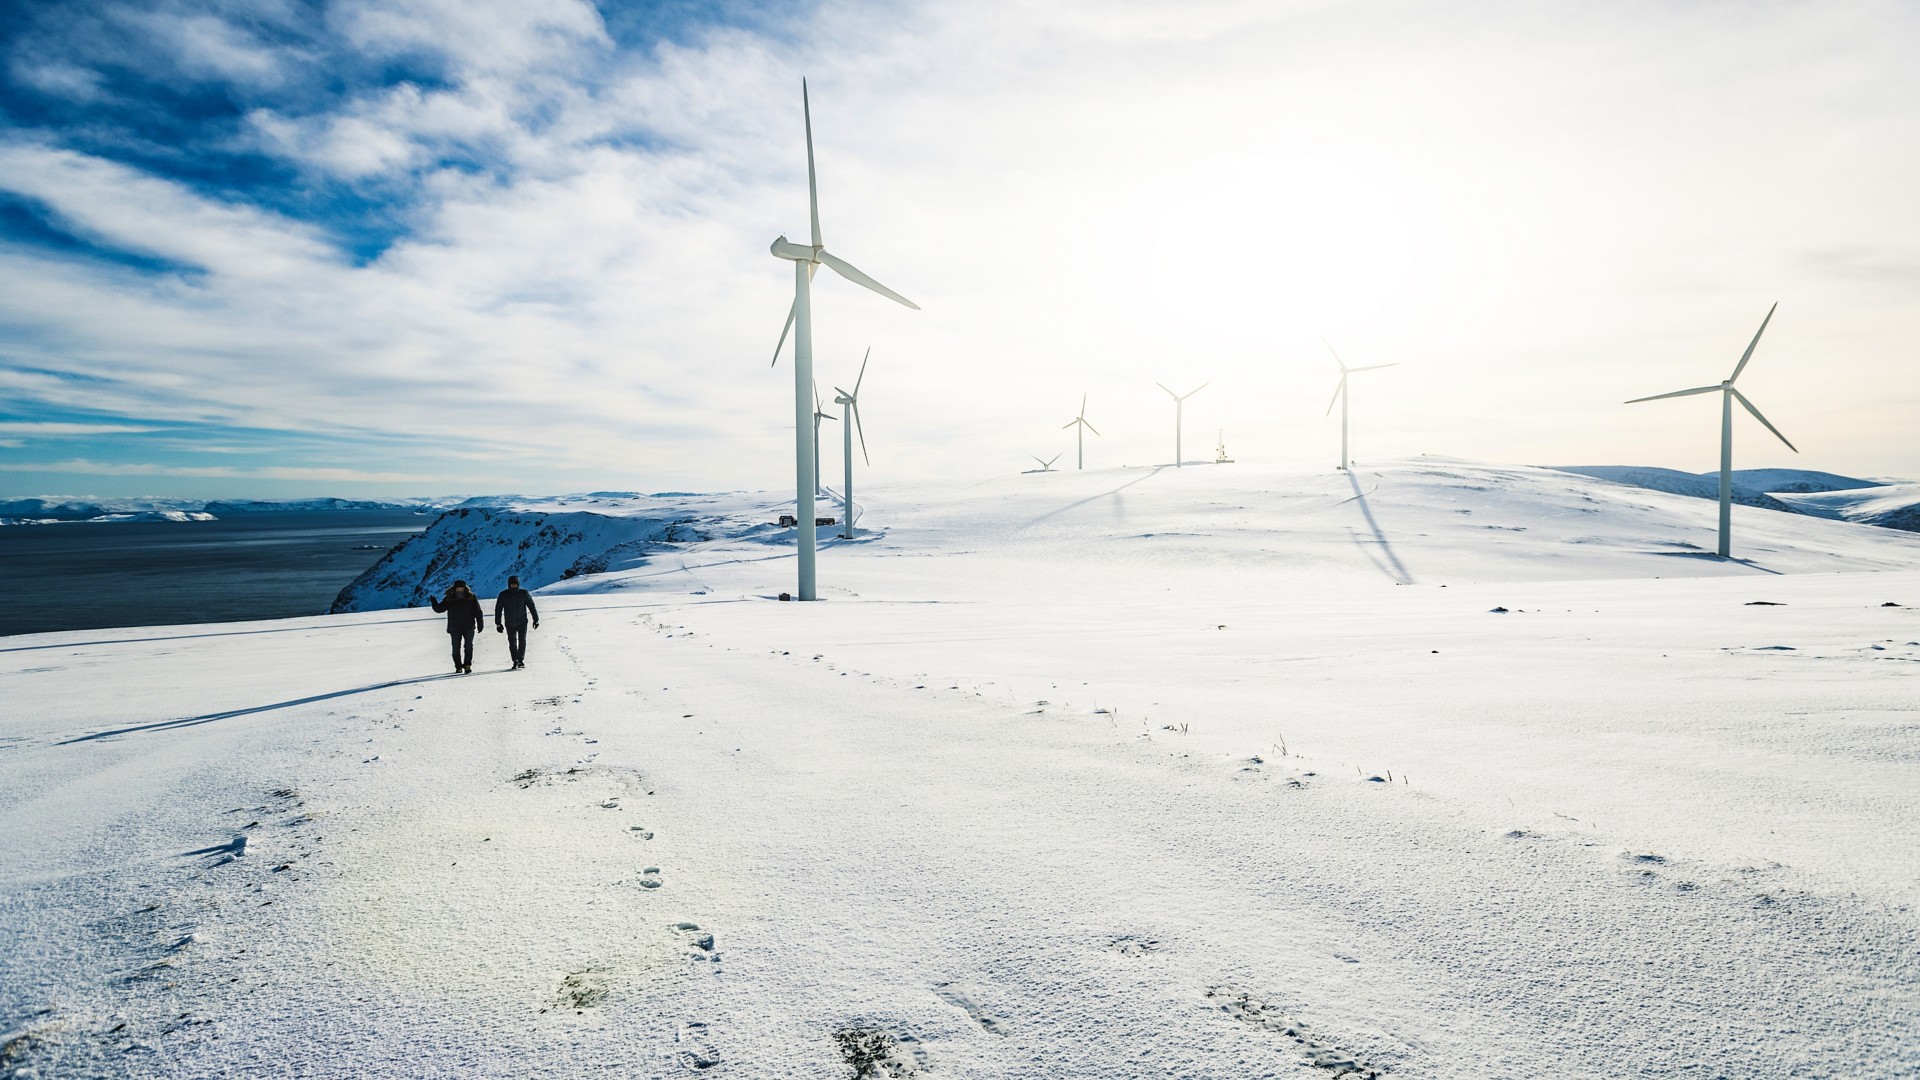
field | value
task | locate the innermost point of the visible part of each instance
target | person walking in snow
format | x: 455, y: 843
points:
x: 510, y: 611
x: 464, y: 618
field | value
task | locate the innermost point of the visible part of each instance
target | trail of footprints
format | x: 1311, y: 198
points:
x: 592, y: 987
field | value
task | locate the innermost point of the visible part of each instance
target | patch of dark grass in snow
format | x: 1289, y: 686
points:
x: 582, y: 989
x: 874, y: 1052
x: 14, y: 1052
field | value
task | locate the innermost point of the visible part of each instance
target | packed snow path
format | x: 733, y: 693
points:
x: 983, y: 821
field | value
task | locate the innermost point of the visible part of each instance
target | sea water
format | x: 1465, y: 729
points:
x: 90, y: 575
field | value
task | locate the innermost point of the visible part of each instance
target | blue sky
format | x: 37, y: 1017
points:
x: 431, y: 246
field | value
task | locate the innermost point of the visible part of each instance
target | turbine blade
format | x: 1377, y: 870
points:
x: 1748, y: 355
x: 1677, y: 393
x: 1083, y: 405
x: 1336, y: 356
x: 852, y: 273
x: 1374, y: 367
x: 813, y: 189
x: 1742, y: 399
x: 792, y: 313
x: 1170, y: 393
x: 1337, y: 390
x: 863, y: 374
x: 1194, y: 391
x: 1093, y: 429
x: 1070, y: 423
x: 861, y: 430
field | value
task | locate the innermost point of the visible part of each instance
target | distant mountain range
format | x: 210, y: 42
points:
x: 55, y: 508
x: 1890, y: 504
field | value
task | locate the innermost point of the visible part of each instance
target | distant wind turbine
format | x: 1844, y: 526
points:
x: 1080, y: 437
x: 1047, y: 465
x: 849, y: 401
x: 1727, y: 397
x: 1340, y: 396
x: 806, y: 258
x: 819, y: 414
x: 1179, y: 408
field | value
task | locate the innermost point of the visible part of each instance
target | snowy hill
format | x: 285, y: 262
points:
x: 1695, y: 485
x: 1437, y: 769
x: 54, y: 508
x: 550, y: 540
x: 1890, y: 506
x: 227, y: 507
x: 1795, y: 481
x: 1416, y: 521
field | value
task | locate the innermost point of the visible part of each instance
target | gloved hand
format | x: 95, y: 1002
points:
x: 498, y: 629
x: 536, y: 626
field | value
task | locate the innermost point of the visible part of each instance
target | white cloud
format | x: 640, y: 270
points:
x: 47, y: 429
x: 1538, y: 213
x: 84, y: 466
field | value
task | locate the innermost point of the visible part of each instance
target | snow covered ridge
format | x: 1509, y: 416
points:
x: 1890, y: 506
x: 56, y: 508
x: 1895, y: 505
x: 543, y: 541
x: 135, y: 515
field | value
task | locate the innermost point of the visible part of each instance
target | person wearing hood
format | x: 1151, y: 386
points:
x: 464, y: 618
x: 510, y: 612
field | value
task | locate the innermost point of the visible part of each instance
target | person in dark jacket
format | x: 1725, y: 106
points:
x: 510, y: 611
x: 465, y: 617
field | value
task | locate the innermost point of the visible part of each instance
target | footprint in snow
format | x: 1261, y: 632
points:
x: 696, y: 1050
x: 965, y: 1002
x: 1319, y: 1053
x: 1132, y: 945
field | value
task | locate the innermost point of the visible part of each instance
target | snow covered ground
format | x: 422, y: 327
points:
x: 1437, y: 770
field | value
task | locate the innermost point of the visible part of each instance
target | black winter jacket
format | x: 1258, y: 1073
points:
x: 464, y: 614
x: 512, y: 607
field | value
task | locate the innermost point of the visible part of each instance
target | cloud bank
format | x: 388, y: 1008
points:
x: 385, y: 244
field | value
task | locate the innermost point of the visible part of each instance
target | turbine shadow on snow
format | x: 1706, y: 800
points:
x: 187, y: 637
x: 1152, y: 472
x: 1398, y: 569
x: 1712, y: 557
x: 207, y: 718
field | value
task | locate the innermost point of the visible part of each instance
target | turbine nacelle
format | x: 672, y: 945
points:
x: 792, y: 252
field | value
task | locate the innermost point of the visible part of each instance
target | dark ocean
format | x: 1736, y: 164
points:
x: 86, y: 576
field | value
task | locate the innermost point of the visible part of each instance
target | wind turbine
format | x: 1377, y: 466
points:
x: 1179, y: 408
x: 1340, y: 395
x: 1080, y: 445
x: 850, y: 402
x: 806, y: 258
x: 1727, y: 397
x: 819, y: 414
x: 1047, y: 465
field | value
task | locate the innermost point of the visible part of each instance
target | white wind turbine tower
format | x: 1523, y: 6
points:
x: 819, y: 414
x: 849, y: 403
x: 1340, y: 396
x: 806, y: 258
x: 1727, y: 397
x: 1179, y: 408
x: 1080, y: 445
